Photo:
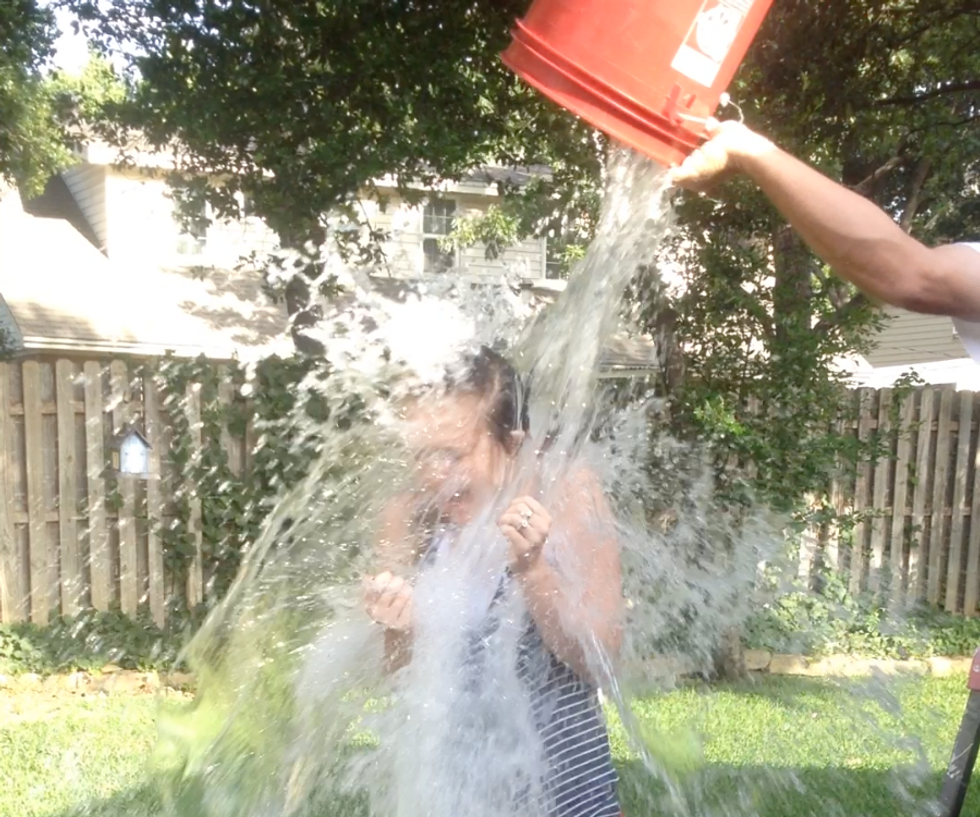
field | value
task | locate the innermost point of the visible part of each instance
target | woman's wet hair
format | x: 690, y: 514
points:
x: 491, y: 377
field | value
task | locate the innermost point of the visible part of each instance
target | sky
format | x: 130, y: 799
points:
x: 71, y: 52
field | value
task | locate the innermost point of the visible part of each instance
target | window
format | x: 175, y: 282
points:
x: 193, y: 231
x: 438, y: 220
x: 554, y: 260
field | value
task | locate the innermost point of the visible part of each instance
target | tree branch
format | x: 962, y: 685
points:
x: 922, y: 170
x: 943, y: 90
x: 858, y: 302
x: 866, y: 186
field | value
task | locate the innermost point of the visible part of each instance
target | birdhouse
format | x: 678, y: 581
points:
x: 131, y: 454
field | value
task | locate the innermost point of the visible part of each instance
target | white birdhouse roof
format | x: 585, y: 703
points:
x: 129, y: 433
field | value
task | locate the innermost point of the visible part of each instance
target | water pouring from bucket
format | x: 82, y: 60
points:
x: 646, y: 73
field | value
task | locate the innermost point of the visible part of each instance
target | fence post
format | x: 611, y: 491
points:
x: 940, y: 474
x: 129, y: 594
x: 195, y: 573
x: 154, y: 499
x: 896, y: 553
x: 954, y: 562
x: 917, y: 554
x: 858, y: 561
x: 71, y: 564
x: 880, y: 491
x: 11, y: 593
x: 100, y: 566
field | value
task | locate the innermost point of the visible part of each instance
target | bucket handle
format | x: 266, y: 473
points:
x: 724, y: 101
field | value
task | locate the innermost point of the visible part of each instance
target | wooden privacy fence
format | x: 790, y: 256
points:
x: 73, y: 534
x: 918, y: 505
x: 69, y: 540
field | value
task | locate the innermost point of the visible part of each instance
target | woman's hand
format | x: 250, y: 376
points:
x: 389, y: 601
x: 526, y: 524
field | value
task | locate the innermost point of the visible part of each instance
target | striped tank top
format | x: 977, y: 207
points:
x: 580, y: 779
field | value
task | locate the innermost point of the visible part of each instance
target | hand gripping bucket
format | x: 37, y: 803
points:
x: 647, y: 72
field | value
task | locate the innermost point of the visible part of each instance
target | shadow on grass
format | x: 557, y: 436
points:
x: 804, y: 693
x: 755, y: 791
x: 750, y: 791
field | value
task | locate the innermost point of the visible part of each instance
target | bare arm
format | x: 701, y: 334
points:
x: 859, y: 241
x: 570, y: 606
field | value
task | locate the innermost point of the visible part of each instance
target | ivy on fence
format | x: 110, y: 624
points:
x: 234, y: 503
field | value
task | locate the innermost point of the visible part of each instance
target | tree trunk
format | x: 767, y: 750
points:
x: 302, y: 302
x: 794, y: 266
x: 730, y: 658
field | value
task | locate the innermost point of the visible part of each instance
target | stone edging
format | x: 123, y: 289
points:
x: 111, y: 679
x: 846, y: 666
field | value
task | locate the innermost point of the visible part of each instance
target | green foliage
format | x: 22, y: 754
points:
x: 88, y: 641
x: 834, y: 621
x: 234, y: 506
x: 496, y: 230
x: 42, y: 112
x: 30, y: 143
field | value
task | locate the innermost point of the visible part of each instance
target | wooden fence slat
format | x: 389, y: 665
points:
x: 129, y: 589
x: 100, y: 561
x: 100, y: 565
x: 954, y: 562
x: 880, y: 495
x: 896, y: 553
x: 937, y: 526
x: 251, y: 441
x: 13, y: 595
x: 838, y: 503
x: 971, y: 590
x: 41, y: 590
x: 232, y: 445
x: 917, y: 554
x: 865, y: 402
x: 154, y: 500
x: 195, y: 574
x: 71, y: 562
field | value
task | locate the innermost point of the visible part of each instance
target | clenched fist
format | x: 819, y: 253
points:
x: 526, y: 524
x: 388, y: 599
x: 729, y: 144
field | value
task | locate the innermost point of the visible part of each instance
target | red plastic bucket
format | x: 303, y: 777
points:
x: 643, y: 71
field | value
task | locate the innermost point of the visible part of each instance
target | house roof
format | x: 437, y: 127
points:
x: 59, y: 293
x: 57, y: 201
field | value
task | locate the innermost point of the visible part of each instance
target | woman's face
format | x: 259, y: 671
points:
x: 460, y: 463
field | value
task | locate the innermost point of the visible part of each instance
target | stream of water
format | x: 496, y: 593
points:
x: 295, y: 712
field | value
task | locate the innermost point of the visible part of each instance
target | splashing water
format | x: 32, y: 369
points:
x: 295, y: 712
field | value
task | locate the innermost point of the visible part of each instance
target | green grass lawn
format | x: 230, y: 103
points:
x: 776, y: 748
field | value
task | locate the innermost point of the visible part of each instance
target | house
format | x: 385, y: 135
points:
x: 99, y: 265
x: 926, y: 345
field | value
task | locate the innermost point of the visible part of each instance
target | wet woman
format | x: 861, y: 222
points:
x: 562, y: 559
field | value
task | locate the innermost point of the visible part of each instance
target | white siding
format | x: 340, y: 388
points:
x: 910, y: 338
x: 525, y: 259
x: 142, y: 227
x: 404, y: 247
x: 228, y: 241
x: 88, y: 186
x: 403, y: 250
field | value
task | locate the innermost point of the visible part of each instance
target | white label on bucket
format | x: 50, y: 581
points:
x: 709, y: 39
